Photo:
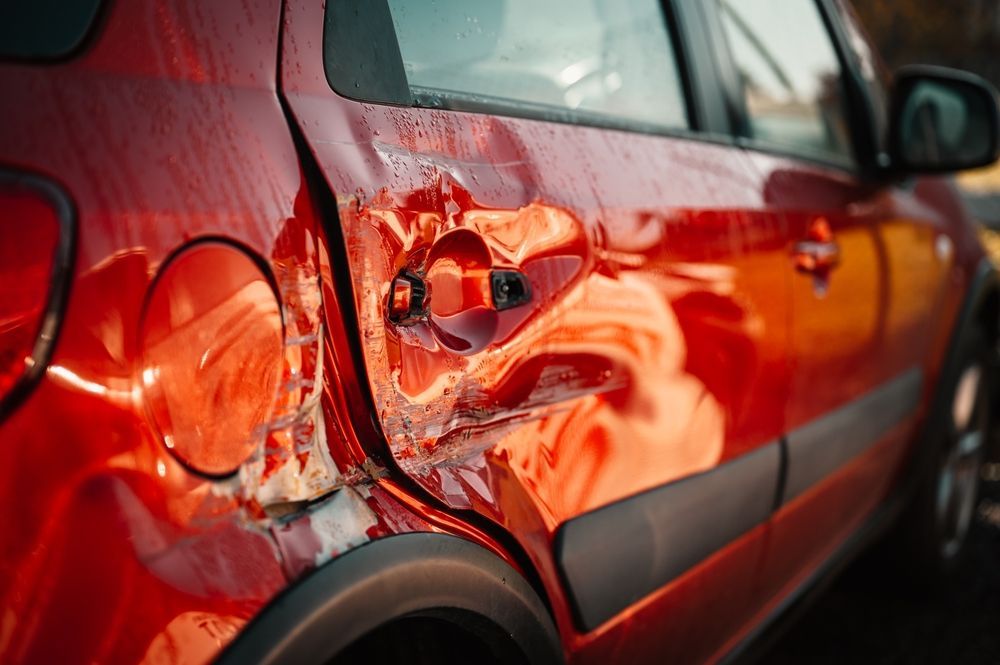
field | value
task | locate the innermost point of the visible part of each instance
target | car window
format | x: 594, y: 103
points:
x: 790, y: 76
x: 598, y: 58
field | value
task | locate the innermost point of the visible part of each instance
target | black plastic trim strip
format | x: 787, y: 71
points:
x: 779, y: 492
x: 62, y: 268
x: 417, y: 574
x: 706, y: 108
x: 452, y: 100
x: 716, y: 65
x: 617, y: 554
x: 857, y: 102
x: 821, y: 447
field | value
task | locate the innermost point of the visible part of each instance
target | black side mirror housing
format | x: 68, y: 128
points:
x: 942, y: 120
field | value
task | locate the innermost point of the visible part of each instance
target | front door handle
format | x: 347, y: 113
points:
x: 408, y: 294
x: 818, y: 253
x: 816, y: 257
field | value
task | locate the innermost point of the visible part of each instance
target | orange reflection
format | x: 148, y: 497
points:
x: 211, y: 339
x: 586, y: 392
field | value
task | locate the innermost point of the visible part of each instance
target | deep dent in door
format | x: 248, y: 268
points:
x: 596, y: 351
x: 653, y: 346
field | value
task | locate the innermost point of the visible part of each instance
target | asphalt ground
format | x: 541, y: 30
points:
x: 869, y: 616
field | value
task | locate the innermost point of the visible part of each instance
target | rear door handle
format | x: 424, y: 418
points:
x: 458, y: 292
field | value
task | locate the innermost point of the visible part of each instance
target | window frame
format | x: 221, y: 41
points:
x: 864, y: 127
x: 358, y: 34
x: 863, y: 152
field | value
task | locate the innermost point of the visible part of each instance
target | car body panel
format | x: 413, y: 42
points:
x: 167, y: 130
x: 857, y: 333
x: 601, y: 391
x: 668, y: 344
x: 106, y: 539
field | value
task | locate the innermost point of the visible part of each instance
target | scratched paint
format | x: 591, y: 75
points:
x: 293, y: 463
x: 659, y: 351
x: 556, y: 364
x: 164, y: 130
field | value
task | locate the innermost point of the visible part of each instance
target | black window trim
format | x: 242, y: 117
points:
x: 350, y: 23
x: 861, y: 108
x: 86, y: 35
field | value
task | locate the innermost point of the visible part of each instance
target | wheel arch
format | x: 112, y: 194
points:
x: 980, y: 310
x: 389, y: 580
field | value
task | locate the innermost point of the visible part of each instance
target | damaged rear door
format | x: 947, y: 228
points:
x: 572, y: 312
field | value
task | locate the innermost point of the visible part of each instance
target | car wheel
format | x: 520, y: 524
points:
x: 937, y: 523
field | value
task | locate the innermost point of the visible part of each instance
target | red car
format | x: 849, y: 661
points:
x: 458, y: 331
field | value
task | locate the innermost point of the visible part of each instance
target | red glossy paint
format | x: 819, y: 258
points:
x: 166, y: 130
x: 112, y: 552
x: 211, y: 344
x: 652, y: 348
x: 856, y: 324
x: 668, y: 331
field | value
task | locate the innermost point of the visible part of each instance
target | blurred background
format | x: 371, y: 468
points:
x: 959, y: 33
x: 865, y: 618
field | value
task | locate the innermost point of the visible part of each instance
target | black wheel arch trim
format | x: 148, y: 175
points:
x: 984, y: 284
x: 416, y: 574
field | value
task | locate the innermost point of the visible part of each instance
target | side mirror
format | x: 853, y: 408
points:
x: 942, y: 120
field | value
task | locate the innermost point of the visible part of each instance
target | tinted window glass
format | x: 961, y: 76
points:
x: 44, y: 28
x: 790, y: 75
x: 605, y: 58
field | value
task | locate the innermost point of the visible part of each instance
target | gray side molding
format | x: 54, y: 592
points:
x: 617, y: 554
x: 821, y: 447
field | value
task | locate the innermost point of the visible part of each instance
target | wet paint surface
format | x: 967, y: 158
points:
x: 653, y: 346
x: 166, y: 131
x: 873, y: 318
x: 597, y: 355
x: 668, y: 330
x: 655, y: 343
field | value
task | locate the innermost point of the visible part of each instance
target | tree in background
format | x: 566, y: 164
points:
x: 960, y: 33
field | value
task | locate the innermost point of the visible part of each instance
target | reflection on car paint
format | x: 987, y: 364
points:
x: 183, y: 561
x: 562, y: 362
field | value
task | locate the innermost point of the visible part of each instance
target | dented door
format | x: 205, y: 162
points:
x: 641, y: 368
